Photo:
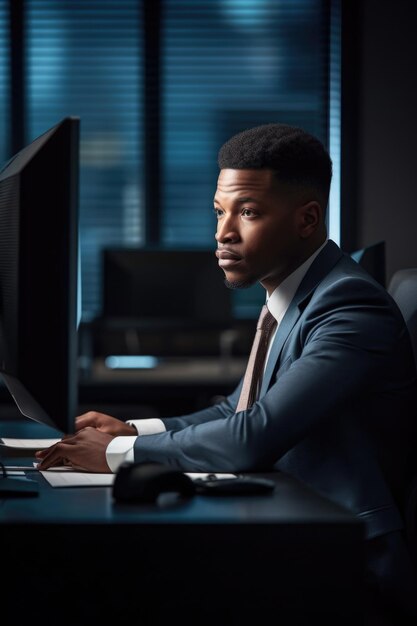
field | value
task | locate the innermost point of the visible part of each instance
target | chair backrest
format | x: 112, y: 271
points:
x: 372, y: 259
x: 410, y: 517
x: 403, y: 288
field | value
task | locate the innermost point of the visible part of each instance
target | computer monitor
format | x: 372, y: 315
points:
x: 38, y: 276
x: 177, y: 287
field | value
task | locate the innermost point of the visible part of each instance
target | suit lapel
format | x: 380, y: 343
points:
x: 320, y: 267
x: 284, y: 329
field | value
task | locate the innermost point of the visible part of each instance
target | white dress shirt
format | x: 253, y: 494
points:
x: 121, y: 448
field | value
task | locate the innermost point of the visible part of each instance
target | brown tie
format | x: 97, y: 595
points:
x: 256, y: 363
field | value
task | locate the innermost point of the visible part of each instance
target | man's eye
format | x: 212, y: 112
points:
x: 248, y: 212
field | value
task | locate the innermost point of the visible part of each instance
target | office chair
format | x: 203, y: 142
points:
x: 403, y: 288
x: 372, y: 259
x: 410, y: 519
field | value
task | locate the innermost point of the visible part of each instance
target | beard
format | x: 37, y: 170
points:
x: 239, y: 284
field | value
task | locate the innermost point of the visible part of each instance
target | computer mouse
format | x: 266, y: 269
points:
x: 144, y: 482
x: 239, y: 485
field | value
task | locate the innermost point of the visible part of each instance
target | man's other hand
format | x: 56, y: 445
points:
x: 105, y: 423
x: 86, y: 451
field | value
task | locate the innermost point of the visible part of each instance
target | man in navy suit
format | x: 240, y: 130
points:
x: 337, y: 405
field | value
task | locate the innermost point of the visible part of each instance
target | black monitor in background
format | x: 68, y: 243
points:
x: 38, y: 276
x: 372, y: 259
x: 165, y: 287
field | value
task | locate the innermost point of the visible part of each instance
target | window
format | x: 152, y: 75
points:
x: 4, y: 82
x: 218, y: 66
x: 228, y: 65
x: 84, y: 59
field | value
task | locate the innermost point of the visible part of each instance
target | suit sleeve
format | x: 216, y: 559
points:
x: 347, y: 344
x: 218, y: 411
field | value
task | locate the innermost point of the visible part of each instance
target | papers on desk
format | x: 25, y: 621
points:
x: 27, y: 444
x: 14, y: 473
x: 67, y: 477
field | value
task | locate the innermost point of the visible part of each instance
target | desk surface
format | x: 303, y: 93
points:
x: 290, y: 502
x: 313, y: 546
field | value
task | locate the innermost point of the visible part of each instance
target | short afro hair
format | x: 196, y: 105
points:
x: 294, y: 155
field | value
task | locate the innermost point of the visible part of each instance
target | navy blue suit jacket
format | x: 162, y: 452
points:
x: 337, y: 407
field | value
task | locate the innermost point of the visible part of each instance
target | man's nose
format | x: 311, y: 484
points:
x: 226, y: 232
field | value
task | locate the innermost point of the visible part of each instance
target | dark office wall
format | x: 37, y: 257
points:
x: 387, y: 130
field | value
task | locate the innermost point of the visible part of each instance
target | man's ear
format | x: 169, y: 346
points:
x: 310, y: 216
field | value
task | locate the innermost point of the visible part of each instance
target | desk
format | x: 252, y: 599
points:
x: 175, y: 371
x: 195, y: 362
x: 176, y: 386
x: 76, y: 557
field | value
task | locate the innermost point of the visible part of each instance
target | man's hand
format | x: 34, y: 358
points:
x: 105, y: 423
x: 86, y: 450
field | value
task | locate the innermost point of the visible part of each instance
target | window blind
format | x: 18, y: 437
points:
x: 84, y: 59
x: 225, y: 65
x: 4, y: 83
x: 228, y: 65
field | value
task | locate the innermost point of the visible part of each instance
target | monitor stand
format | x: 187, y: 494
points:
x: 11, y: 487
x: 25, y: 402
x: 14, y: 487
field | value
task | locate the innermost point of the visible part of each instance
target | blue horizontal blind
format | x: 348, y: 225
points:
x: 85, y: 59
x: 335, y: 95
x: 4, y: 83
x: 228, y: 65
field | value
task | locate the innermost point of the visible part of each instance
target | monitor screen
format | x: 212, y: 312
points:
x: 38, y: 276
x: 182, y: 287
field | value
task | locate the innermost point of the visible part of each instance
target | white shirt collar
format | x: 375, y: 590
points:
x: 280, y: 299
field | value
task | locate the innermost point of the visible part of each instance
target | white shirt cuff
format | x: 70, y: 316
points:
x: 120, y: 449
x: 151, y: 426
